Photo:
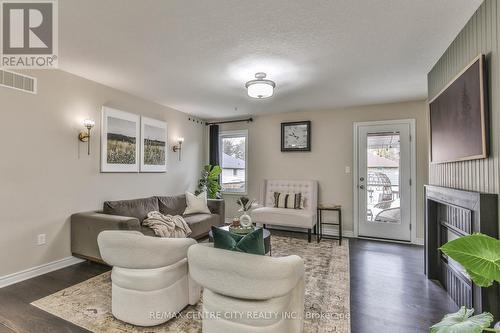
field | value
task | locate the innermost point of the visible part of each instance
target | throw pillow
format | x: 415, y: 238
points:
x: 251, y: 243
x: 138, y: 208
x: 288, y: 200
x: 196, y: 203
x: 172, y: 205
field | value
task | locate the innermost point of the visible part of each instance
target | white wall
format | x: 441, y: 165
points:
x: 46, y: 174
x: 332, y: 151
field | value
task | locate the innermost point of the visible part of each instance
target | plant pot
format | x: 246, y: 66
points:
x: 245, y: 220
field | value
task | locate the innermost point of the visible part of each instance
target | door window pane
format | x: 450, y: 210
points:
x: 382, y: 186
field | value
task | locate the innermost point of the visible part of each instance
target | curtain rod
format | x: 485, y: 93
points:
x: 230, y: 121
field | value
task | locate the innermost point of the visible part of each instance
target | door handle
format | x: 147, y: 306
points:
x: 362, y: 187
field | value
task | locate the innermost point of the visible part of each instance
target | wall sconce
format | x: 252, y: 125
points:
x: 85, y: 136
x: 178, y: 147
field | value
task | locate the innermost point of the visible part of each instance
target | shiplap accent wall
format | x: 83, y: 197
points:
x: 480, y: 35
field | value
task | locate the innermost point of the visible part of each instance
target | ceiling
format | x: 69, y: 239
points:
x: 196, y: 55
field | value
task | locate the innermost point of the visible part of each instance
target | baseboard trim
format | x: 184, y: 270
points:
x: 348, y: 234
x: 419, y: 241
x: 329, y: 232
x: 29, y: 273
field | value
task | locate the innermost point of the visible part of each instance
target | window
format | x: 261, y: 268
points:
x: 233, y: 155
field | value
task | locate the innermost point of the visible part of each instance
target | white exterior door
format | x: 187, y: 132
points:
x: 383, y: 183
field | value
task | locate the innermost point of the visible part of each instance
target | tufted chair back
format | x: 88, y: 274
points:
x: 308, y: 188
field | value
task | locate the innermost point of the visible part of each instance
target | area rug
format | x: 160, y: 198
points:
x: 88, y: 304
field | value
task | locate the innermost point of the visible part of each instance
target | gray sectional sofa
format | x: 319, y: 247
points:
x: 129, y: 214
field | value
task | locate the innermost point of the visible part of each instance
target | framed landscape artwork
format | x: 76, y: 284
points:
x: 120, y: 132
x: 296, y: 136
x: 459, y: 117
x: 153, y: 145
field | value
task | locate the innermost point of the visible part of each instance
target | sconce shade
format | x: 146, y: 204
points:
x: 178, y: 147
x: 88, y: 123
x: 85, y: 136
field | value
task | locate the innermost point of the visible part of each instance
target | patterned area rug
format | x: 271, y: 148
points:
x: 88, y: 304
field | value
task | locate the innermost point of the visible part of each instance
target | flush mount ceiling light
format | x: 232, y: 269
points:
x: 260, y: 87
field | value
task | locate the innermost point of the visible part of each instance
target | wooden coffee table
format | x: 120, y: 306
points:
x: 267, y: 237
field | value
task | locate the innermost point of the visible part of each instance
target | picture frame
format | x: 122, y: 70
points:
x: 120, y: 132
x: 296, y: 136
x: 153, y: 145
x: 459, y: 117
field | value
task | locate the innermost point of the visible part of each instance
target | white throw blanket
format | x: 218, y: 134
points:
x: 167, y: 225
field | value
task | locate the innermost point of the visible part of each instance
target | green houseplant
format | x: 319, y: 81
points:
x: 480, y: 256
x: 209, y: 181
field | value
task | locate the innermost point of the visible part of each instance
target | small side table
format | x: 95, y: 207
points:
x: 336, y: 208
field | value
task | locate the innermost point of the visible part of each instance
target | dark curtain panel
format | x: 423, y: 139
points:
x: 214, y: 145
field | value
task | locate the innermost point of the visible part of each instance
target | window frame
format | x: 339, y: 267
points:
x: 232, y: 134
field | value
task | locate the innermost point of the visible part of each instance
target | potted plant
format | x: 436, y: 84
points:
x: 209, y: 181
x: 480, y: 256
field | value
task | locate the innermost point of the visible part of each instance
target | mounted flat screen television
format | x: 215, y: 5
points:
x: 459, y: 117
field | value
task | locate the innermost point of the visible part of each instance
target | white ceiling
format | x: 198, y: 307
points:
x: 196, y: 55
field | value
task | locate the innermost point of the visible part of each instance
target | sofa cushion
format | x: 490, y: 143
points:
x: 200, y: 224
x: 174, y: 205
x: 283, y: 216
x: 147, y: 231
x: 138, y: 208
x: 307, y: 188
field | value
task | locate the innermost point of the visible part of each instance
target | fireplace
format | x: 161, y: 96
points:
x: 449, y: 214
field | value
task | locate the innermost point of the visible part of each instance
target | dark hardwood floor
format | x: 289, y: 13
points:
x: 16, y: 313
x: 389, y: 293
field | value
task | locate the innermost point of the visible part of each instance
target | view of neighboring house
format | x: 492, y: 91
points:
x: 233, y: 173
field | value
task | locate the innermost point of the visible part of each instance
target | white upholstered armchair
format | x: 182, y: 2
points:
x: 150, y: 275
x: 298, y: 218
x: 248, y: 293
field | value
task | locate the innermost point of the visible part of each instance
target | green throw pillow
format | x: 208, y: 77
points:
x: 250, y: 243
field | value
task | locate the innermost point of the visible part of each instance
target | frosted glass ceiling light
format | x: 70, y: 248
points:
x: 260, y: 87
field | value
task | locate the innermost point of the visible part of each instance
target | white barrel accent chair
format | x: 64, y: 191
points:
x: 298, y: 218
x: 248, y: 293
x: 150, y: 275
